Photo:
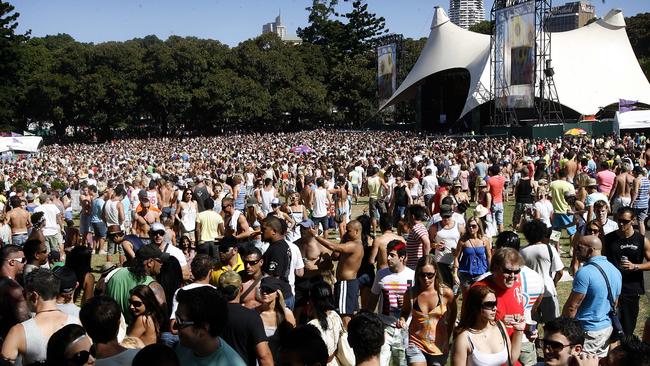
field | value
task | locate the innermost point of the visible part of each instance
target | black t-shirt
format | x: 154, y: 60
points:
x: 277, y: 260
x: 201, y: 195
x: 244, y: 331
x: 401, y: 198
x: 615, y: 247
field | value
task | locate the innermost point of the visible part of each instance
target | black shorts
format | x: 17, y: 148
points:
x: 346, y: 294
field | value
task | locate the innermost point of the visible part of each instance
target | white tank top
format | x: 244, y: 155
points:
x: 320, y: 202
x: 450, y: 238
x: 478, y: 358
x: 111, y: 214
x: 35, y: 342
x: 267, y: 197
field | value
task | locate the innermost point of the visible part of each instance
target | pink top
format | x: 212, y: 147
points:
x: 605, y: 180
x: 495, y: 184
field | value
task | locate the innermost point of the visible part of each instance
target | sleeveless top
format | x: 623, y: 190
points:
x: 428, y: 332
x: 642, y: 198
x: 450, y: 238
x: 201, y: 194
x: 294, y: 234
x: 239, y: 202
x: 401, y: 199
x: 267, y: 197
x: 473, y: 261
x: 188, y: 217
x: 135, y: 241
x: 110, y: 211
x: 320, y: 203
x: 35, y: 342
x: 373, y: 187
x: 479, y: 358
x: 524, y: 192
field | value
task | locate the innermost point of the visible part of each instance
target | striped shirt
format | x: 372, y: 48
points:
x: 642, y: 198
x: 414, y: 244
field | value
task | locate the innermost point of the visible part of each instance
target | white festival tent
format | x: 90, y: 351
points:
x: 633, y: 120
x: 594, y: 66
x: 29, y: 144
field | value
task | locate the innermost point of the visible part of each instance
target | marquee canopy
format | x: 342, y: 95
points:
x: 20, y: 144
x: 594, y: 66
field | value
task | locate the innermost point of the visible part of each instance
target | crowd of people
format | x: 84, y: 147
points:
x: 244, y: 250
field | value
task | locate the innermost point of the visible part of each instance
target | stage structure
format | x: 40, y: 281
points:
x: 389, y: 50
x: 521, y: 70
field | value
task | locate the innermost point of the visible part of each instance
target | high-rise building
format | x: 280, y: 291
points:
x: 570, y: 16
x: 278, y: 28
x: 466, y: 13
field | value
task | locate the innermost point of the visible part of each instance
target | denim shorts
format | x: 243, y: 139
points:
x: 100, y: 229
x: 414, y: 354
x: 497, y: 211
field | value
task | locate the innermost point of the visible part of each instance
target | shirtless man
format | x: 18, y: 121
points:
x: 342, y: 205
x: 86, y: 198
x: 235, y: 222
x: 307, y: 195
x: 250, y: 276
x: 18, y: 220
x: 378, y: 254
x: 346, y: 290
x: 168, y: 200
x: 143, y: 220
x: 13, y: 306
x: 571, y: 166
x: 620, y: 195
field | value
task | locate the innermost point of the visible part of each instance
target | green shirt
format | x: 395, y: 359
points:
x: 223, y: 356
x: 119, y: 287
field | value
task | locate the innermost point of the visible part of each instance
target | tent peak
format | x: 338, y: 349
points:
x: 439, y: 17
x: 615, y: 18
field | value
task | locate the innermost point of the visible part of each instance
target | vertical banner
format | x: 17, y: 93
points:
x: 386, y: 71
x: 515, y: 55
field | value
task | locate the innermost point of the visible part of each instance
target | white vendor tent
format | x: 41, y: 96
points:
x: 633, y: 120
x: 594, y: 66
x: 29, y: 144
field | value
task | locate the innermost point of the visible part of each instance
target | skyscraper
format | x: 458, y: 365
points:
x: 570, y: 16
x: 281, y: 30
x: 466, y: 13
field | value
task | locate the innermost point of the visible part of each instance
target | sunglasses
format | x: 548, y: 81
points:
x: 82, y: 357
x: 158, y: 233
x: 473, y: 226
x: 226, y: 206
x: 114, y: 235
x: 446, y: 216
x: 252, y: 263
x: 267, y: 290
x: 182, y: 324
x: 22, y: 260
x: 593, y: 231
x: 135, y: 303
x: 624, y: 221
x: 511, y: 271
x: 428, y: 275
x: 554, y: 346
x: 489, y: 305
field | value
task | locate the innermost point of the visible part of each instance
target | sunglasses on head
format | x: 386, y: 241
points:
x: 489, y: 305
x: 428, y: 275
x: 554, y: 346
x: 511, y: 271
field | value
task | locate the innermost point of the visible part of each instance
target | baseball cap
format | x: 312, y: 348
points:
x: 67, y: 277
x: 275, y: 201
x: 307, y: 224
x: 271, y: 284
x: 251, y: 201
x: 151, y: 251
x: 446, y: 210
x: 156, y: 226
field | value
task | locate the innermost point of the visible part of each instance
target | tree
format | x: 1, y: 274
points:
x: 638, y: 30
x: 483, y: 27
x: 10, y: 61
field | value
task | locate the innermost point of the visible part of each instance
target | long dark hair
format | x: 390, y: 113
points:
x: 171, y: 279
x: 60, y: 340
x: 151, y: 305
x: 322, y: 300
x: 471, y: 309
x: 366, y: 229
x: 78, y: 260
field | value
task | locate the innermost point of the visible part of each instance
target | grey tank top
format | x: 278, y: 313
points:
x: 36, y: 343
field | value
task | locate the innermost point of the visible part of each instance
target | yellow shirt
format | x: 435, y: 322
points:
x: 214, y: 280
x: 209, y: 220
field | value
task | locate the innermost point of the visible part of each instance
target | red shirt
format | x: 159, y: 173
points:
x: 509, y: 301
x: 495, y: 184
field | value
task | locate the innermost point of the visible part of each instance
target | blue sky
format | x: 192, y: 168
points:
x: 229, y: 21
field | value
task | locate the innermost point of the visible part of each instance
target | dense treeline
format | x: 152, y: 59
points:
x: 193, y: 85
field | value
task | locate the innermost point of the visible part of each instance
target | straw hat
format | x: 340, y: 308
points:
x: 480, y: 211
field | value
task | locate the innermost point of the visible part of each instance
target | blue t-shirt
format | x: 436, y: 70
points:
x: 223, y: 356
x: 98, y: 206
x: 593, y: 312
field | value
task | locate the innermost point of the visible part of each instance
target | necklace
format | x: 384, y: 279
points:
x: 46, y: 311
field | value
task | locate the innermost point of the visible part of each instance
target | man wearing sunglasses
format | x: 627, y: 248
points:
x: 159, y: 239
x: 228, y: 257
x: 626, y: 249
x: 588, y: 301
x: 13, y: 307
x: 563, y: 344
x: 36, y: 254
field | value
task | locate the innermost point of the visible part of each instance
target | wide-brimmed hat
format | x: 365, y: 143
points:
x: 481, y: 211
